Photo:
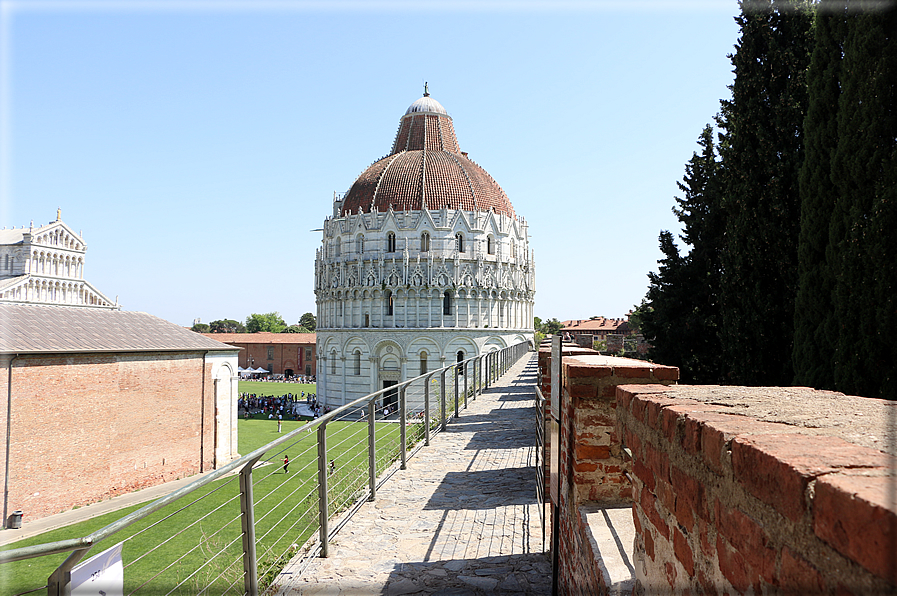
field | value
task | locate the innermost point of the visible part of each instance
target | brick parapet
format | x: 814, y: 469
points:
x: 592, y: 468
x: 742, y: 504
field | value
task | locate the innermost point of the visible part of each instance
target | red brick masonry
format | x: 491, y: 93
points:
x: 727, y: 503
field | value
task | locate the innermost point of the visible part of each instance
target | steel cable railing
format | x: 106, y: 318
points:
x: 240, y: 530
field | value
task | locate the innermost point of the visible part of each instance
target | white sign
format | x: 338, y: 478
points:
x: 101, y: 575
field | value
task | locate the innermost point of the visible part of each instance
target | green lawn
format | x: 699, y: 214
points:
x: 285, y: 514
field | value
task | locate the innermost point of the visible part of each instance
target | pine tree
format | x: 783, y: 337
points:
x: 814, y: 339
x: 761, y: 157
x: 862, y: 232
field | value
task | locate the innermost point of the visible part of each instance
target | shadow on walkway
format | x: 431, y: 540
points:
x: 462, y: 519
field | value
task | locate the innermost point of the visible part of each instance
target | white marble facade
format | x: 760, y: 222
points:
x: 45, y: 265
x: 403, y: 292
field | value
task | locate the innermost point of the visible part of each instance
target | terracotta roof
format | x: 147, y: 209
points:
x: 263, y: 338
x: 32, y: 328
x: 426, y: 170
x: 597, y: 324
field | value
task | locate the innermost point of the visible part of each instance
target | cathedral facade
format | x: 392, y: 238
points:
x: 423, y: 263
x: 45, y: 265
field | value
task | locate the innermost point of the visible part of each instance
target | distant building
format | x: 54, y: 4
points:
x: 423, y: 263
x: 288, y: 354
x: 100, y: 401
x: 45, y: 265
x: 586, y: 331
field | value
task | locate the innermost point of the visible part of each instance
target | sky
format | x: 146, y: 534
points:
x: 198, y: 144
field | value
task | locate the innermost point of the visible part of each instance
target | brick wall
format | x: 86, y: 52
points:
x: 592, y: 467
x: 88, y: 427
x: 760, y: 491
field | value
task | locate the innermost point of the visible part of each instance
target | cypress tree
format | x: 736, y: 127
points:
x: 681, y: 314
x: 862, y: 233
x: 814, y: 339
x: 761, y: 157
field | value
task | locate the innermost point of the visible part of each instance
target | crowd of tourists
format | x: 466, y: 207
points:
x: 276, y: 407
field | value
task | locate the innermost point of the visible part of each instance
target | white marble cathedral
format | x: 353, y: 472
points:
x: 423, y: 263
x: 45, y: 265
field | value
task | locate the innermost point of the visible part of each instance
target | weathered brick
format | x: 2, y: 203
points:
x: 798, y: 577
x: 648, y: 503
x: 683, y: 552
x: 732, y: 565
x: 581, y: 390
x: 575, y: 370
x: 592, y: 452
x: 858, y: 517
x: 777, y: 468
x: 749, y: 539
x: 666, y: 373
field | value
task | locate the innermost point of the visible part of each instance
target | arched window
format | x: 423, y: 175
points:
x: 447, y: 303
x: 425, y: 242
x: 389, y: 303
x: 423, y: 363
x: 333, y: 362
x: 336, y: 246
x: 460, y: 357
x: 459, y: 242
x: 490, y: 246
x: 359, y: 244
x: 390, y: 242
x: 513, y: 249
x: 357, y: 362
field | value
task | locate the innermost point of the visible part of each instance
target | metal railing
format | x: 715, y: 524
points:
x: 252, y: 517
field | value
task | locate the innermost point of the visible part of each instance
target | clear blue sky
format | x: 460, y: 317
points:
x: 196, y: 144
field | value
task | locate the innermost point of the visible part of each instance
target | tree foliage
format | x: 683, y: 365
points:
x: 227, y: 326
x: 200, y: 328
x: 793, y: 231
x: 295, y: 329
x: 813, y: 315
x: 680, y: 316
x: 270, y: 322
x: 308, y: 321
x: 762, y: 151
x: 862, y: 231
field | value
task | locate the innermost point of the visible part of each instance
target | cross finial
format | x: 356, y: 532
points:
x: 426, y: 90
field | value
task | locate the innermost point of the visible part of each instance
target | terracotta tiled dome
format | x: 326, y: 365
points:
x: 426, y: 170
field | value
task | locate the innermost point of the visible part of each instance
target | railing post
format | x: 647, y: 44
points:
x: 59, y: 582
x: 403, y: 429
x: 466, y: 371
x: 442, y: 395
x: 427, y: 411
x: 322, y: 490
x: 456, y: 390
x: 247, y: 522
x: 372, y: 448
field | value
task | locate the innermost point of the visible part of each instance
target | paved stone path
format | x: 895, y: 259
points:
x: 462, y: 519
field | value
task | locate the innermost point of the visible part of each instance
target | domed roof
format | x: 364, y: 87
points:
x: 426, y: 104
x: 426, y: 170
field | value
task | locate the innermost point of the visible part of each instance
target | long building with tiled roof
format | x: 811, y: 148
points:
x: 99, y: 401
x: 424, y: 262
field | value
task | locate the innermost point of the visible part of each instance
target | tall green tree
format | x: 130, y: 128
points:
x: 761, y: 152
x: 271, y: 322
x: 814, y: 321
x: 862, y: 233
x: 308, y: 321
x: 680, y: 317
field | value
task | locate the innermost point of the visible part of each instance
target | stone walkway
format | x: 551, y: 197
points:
x: 462, y: 519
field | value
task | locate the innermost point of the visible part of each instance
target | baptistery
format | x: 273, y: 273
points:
x: 423, y: 262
